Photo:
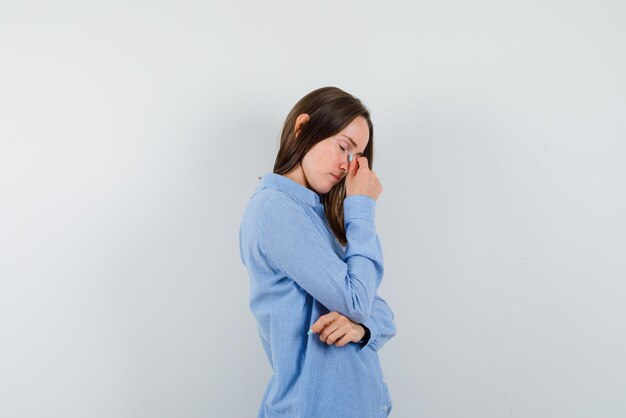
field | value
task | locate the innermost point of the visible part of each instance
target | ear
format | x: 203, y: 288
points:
x: 300, y: 121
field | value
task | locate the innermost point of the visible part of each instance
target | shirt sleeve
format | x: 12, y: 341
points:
x: 380, y: 323
x: 295, y: 246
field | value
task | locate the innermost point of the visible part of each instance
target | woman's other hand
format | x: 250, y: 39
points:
x: 361, y: 180
x: 334, y: 328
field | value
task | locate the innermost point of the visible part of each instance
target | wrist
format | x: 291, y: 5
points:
x: 362, y: 333
x: 365, y: 336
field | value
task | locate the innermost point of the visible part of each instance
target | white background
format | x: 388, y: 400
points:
x: 133, y: 133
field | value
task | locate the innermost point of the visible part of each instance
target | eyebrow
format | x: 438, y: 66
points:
x: 353, y: 143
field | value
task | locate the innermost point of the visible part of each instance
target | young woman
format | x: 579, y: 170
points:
x: 308, y: 240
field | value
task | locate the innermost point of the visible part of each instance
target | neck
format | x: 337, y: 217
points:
x: 297, y: 174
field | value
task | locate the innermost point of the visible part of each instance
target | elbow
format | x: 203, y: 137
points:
x: 393, y: 331
x: 359, y: 300
x: 359, y: 305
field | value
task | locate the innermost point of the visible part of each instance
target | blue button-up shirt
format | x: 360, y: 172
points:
x: 298, y: 272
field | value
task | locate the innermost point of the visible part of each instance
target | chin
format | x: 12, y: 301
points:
x: 323, y: 189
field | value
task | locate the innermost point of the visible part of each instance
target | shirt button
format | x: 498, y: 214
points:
x: 385, y: 408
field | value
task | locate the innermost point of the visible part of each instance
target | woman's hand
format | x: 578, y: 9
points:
x: 336, y: 329
x: 361, y: 180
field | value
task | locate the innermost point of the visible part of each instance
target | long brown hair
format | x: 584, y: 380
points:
x: 330, y: 110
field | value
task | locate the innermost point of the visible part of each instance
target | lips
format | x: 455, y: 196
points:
x: 335, y: 177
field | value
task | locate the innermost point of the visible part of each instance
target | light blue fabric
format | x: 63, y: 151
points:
x: 298, y: 272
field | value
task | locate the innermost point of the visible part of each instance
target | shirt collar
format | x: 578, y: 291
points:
x: 290, y: 187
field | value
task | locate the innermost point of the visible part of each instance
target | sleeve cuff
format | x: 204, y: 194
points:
x: 359, y: 206
x: 373, y: 328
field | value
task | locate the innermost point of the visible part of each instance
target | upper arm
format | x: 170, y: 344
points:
x: 296, y: 247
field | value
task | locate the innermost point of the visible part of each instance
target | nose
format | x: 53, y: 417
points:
x: 344, y: 166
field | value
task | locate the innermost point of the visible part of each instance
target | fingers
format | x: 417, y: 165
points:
x: 332, y: 327
x: 333, y: 332
x: 363, y: 161
x: 323, y: 321
x: 343, y: 341
x: 335, y: 328
x: 335, y: 336
x: 358, y: 164
x: 354, y: 166
x: 326, y: 324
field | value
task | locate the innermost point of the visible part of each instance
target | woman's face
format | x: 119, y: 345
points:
x: 327, y: 162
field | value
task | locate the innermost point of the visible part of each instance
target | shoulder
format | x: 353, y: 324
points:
x: 269, y: 199
x: 280, y: 218
x: 273, y: 205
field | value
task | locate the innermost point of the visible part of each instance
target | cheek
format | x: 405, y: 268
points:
x: 310, y: 166
x: 321, y: 159
x: 318, y: 158
x: 331, y: 154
